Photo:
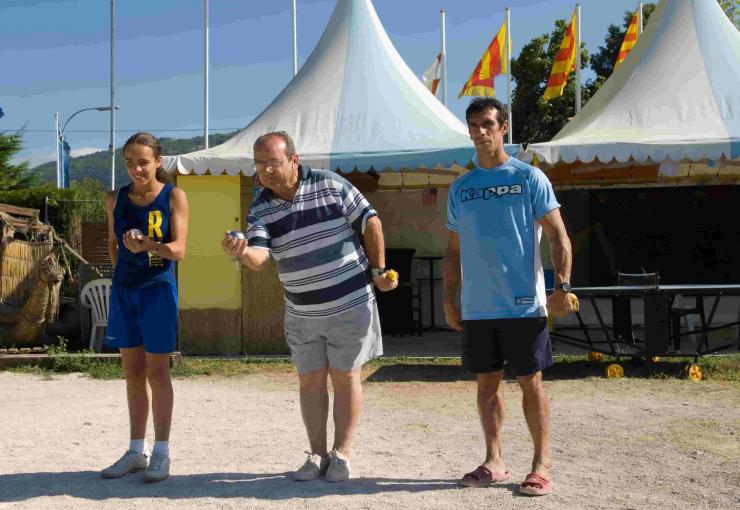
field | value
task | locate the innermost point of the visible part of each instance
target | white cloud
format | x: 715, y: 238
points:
x: 39, y: 158
x: 84, y: 151
x: 36, y: 159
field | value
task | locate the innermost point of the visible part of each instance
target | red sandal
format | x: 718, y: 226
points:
x: 535, y: 485
x: 483, y: 477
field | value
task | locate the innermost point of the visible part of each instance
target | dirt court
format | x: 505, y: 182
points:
x: 629, y: 443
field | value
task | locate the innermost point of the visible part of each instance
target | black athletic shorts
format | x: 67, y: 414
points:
x: 523, y: 344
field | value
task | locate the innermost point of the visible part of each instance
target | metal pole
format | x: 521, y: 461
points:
x: 578, y: 58
x: 112, y: 95
x: 639, y: 17
x: 443, y: 63
x: 56, y: 145
x: 205, y: 74
x: 295, y: 40
x: 508, y: 75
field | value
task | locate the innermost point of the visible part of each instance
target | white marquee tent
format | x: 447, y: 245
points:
x: 354, y: 104
x: 675, y: 97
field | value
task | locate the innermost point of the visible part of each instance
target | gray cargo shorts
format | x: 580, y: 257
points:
x: 344, y: 341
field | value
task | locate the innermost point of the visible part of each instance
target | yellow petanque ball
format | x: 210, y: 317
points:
x: 614, y: 371
x: 392, y: 275
x: 693, y: 372
x: 575, y: 305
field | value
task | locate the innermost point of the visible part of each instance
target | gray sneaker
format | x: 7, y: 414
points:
x: 131, y: 462
x: 159, y: 468
x: 338, y: 470
x: 314, y: 467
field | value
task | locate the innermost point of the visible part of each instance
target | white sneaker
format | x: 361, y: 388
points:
x: 159, y: 468
x: 314, y: 467
x: 131, y: 462
x: 338, y: 470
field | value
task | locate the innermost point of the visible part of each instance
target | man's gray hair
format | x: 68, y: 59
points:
x: 289, y: 144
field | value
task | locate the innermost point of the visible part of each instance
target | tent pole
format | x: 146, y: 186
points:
x: 205, y: 73
x: 295, y: 40
x: 444, y: 56
x: 578, y: 58
x: 508, y: 74
x: 112, y: 94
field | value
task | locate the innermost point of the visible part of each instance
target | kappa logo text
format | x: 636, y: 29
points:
x: 487, y: 193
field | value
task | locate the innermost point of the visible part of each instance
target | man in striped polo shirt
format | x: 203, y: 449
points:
x: 310, y: 222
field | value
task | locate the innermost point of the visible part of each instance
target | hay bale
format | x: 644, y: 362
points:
x: 19, y: 261
x: 33, y: 316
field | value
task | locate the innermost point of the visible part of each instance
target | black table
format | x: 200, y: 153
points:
x: 657, y: 301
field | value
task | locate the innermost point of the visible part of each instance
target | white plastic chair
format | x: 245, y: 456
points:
x: 95, y: 295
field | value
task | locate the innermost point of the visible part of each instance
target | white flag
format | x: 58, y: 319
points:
x: 431, y: 75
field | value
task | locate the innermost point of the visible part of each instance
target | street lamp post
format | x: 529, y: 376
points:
x: 60, y: 138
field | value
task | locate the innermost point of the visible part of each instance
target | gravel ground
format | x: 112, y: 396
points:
x: 629, y: 443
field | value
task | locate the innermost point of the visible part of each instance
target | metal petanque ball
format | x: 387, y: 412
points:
x: 136, y: 233
x: 235, y: 234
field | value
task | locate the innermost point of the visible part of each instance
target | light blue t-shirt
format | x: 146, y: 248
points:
x: 495, y: 211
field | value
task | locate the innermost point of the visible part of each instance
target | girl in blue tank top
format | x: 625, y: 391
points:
x: 147, y: 232
x: 153, y: 220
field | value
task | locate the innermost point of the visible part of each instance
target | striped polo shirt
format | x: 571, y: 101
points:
x: 315, y: 240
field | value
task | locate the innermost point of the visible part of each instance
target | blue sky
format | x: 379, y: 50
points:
x: 55, y: 57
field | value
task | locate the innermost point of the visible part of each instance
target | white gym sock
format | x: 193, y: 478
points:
x: 137, y: 445
x: 162, y: 447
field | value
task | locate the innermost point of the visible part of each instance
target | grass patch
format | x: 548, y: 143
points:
x: 725, y: 368
x: 714, y: 367
x: 226, y: 368
x: 721, y: 368
x: 44, y: 373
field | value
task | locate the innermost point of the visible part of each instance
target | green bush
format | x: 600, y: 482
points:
x: 63, y: 361
x: 66, y: 207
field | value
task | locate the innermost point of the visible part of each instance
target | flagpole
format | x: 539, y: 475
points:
x: 56, y: 144
x: 578, y: 58
x: 205, y: 72
x: 508, y: 75
x: 444, y: 56
x: 112, y: 95
x: 295, y: 40
x: 639, y: 17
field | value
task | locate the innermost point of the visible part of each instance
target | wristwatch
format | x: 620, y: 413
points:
x: 377, y: 271
x: 564, y: 286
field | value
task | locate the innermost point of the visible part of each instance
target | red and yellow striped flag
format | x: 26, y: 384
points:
x: 565, y: 62
x: 630, y: 39
x: 492, y: 64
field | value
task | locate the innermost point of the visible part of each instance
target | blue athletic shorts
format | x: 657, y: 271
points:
x: 143, y: 316
x: 522, y: 343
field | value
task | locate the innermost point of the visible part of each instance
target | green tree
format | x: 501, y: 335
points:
x: 534, y: 119
x: 13, y: 177
x: 732, y: 9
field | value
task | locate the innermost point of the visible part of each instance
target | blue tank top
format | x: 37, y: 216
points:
x: 143, y: 269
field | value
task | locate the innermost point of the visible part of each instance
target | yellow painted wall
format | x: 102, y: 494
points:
x: 206, y: 277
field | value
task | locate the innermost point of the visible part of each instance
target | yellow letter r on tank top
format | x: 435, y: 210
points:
x: 155, y: 224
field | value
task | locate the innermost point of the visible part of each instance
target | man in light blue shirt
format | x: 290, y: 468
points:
x: 495, y: 289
